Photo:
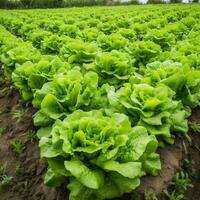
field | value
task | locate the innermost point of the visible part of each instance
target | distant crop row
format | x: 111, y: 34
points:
x: 111, y: 85
x: 19, y: 4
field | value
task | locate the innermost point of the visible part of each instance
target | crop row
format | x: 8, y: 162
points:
x: 174, y: 39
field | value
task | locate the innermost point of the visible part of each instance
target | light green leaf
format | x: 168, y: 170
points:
x: 129, y: 169
x: 90, y: 178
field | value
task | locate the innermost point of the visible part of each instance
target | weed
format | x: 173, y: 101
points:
x: 5, y: 180
x: 32, y: 136
x: 195, y: 126
x: 19, y: 114
x: 4, y: 91
x: 182, y: 182
x: 16, y: 146
x: 3, y: 169
x: 173, y: 195
x: 179, y: 185
x: 149, y: 195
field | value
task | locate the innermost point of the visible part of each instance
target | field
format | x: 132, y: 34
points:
x: 100, y: 103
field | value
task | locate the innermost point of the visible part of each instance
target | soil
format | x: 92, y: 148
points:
x: 28, y: 170
x: 194, y: 154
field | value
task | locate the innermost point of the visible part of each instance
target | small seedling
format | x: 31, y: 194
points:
x: 173, y: 195
x: 179, y: 185
x: 195, y: 126
x: 16, y: 146
x: 3, y: 169
x: 182, y: 182
x: 4, y: 91
x: 149, y: 195
x: 32, y: 136
x: 5, y: 180
x: 19, y: 114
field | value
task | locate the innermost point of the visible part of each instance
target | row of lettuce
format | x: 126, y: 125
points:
x: 91, y: 48
x: 64, y: 36
x: 102, y: 115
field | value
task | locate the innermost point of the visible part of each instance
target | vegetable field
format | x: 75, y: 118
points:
x: 111, y: 91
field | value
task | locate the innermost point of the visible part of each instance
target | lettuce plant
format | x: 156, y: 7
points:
x: 37, y: 37
x: 127, y: 33
x: 89, y: 34
x: 183, y: 81
x: 113, y: 67
x: 107, y: 27
x: 18, y: 53
x: 152, y: 107
x: 31, y: 76
x: 79, y: 52
x: 161, y: 37
x: 143, y: 51
x: 111, y: 42
x: 51, y: 44
x: 69, y: 30
x: 64, y: 94
x: 103, y: 157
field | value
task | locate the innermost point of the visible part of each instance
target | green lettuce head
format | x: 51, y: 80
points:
x: 183, y: 81
x: 79, y: 52
x: 31, y: 76
x: 152, y: 107
x: 103, y: 157
x: 114, y: 67
x: 64, y: 94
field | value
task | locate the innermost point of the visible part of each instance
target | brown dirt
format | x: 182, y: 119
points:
x: 194, y: 154
x: 171, y: 157
x: 29, y: 183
